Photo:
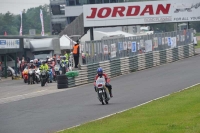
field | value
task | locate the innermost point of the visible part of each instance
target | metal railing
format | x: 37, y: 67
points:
x: 108, y: 49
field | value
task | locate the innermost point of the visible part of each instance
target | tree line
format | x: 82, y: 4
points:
x: 10, y: 23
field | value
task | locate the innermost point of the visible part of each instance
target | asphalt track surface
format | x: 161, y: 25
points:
x: 60, y: 110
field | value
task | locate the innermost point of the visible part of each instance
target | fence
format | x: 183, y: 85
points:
x: 129, y: 64
x: 109, y: 49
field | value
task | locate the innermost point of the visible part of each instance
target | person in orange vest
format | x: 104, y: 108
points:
x: 76, y: 53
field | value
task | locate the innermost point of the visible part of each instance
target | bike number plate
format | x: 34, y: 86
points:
x: 100, y: 91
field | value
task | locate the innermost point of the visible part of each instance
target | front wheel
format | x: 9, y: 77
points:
x: 42, y: 83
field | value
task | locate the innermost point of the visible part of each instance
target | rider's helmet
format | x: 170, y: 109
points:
x: 100, y: 71
x: 58, y: 60
x: 31, y: 62
x: 43, y: 62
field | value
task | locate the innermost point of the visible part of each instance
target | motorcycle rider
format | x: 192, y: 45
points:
x: 45, y: 67
x: 32, y: 66
x: 64, y: 61
x: 100, y: 74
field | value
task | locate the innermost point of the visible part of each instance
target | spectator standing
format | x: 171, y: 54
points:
x: 76, y: 53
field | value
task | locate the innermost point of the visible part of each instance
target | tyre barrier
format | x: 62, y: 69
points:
x: 62, y: 81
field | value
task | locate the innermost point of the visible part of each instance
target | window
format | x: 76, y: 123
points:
x: 71, y: 2
x: 91, y: 1
x: 98, y: 1
x: 70, y: 19
x: 106, y: 1
x: 81, y: 2
x: 113, y: 1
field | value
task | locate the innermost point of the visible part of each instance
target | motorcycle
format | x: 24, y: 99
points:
x: 63, y: 67
x: 37, y: 75
x: 102, y: 90
x: 30, y: 75
x: 25, y: 75
x: 43, y: 77
x: 57, y: 71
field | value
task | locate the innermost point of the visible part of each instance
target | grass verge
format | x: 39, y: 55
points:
x: 176, y: 113
x: 198, y: 45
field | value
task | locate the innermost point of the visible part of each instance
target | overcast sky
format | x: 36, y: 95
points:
x: 15, y: 6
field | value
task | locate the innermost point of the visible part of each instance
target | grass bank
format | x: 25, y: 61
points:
x: 177, y: 113
x: 198, y: 45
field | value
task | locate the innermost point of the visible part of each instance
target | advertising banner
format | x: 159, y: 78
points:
x: 42, y: 22
x: 129, y: 44
x: 125, y: 45
x: 120, y: 46
x: 148, y: 45
x: 155, y: 39
x: 113, y: 51
x: 105, y: 49
x: 169, y: 41
x: 132, y: 13
x: 9, y: 44
x: 134, y: 48
x: 20, y: 31
x: 173, y: 44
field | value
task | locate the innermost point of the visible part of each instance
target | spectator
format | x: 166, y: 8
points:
x: 18, y: 65
x: 76, y: 53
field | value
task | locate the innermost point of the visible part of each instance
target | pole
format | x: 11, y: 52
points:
x: 91, y: 34
x: 188, y: 25
x: 16, y: 64
x: 5, y: 64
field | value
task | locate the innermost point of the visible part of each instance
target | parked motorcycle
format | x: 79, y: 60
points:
x: 43, y: 77
x: 102, y: 90
x: 30, y: 76
x: 37, y: 75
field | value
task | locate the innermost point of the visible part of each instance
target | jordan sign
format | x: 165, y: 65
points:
x: 131, y: 13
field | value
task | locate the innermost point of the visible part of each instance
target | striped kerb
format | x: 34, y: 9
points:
x: 175, y: 54
x: 149, y: 59
x: 71, y: 81
x: 186, y: 51
x: 133, y: 63
x: 163, y: 56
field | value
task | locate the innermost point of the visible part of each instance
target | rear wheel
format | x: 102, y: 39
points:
x: 102, y: 102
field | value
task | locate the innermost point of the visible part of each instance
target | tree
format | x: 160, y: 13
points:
x: 30, y: 20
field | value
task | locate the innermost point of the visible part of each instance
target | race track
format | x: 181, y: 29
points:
x: 61, y: 109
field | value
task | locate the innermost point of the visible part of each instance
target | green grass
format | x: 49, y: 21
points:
x: 198, y: 44
x: 177, y: 113
x: 197, y: 34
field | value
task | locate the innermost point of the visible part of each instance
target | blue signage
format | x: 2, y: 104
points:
x: 2, y: 42
x: 134, y: 47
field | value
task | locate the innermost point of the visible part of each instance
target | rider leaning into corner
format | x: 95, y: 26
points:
x: 100, y: 74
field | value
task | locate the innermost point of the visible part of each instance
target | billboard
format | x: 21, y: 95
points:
x: 9, y: 44
x: 131, y: 13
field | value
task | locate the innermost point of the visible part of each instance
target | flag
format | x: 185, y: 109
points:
x: 20, y: 31
x: 5, y: 33
x: 42, y: 22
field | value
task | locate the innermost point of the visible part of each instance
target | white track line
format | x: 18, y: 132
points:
x: 130, y: 108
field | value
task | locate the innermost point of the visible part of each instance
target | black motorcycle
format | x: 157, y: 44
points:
x: 43, y: 77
